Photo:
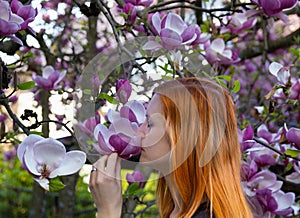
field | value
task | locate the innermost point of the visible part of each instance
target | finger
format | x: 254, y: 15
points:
x: 111, y: 165
x: 118, y: 169
x: 101, y: 163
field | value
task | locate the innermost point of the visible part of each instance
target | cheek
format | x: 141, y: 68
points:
x: 155, y: 136
x: 157, y: 150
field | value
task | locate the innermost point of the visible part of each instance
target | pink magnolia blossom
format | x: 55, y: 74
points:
x: 124, y: 90
x: 174, y: 32
x: 121, y: 136
x: 15, y: 17
x: 46, y: 158
x: 275, y: 203
x: 89, y: 125
x: 130, y: 10
x: 26, y: 12
x: 295, y: 90
x: 293, y: 136
x: 241, y: 21
x: 295, y: 176
x: 282, y: 73
x: 216, y: 52
x: 246, y: 138
x: 135, y: 177
x: 139, y: 2
x: 10, y: 23
x: 50, y: 79
x: 274, y: 7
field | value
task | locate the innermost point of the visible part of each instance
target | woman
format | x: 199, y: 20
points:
x: 190, y: 136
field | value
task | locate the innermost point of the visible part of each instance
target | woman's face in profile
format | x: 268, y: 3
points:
x: 155, y: 146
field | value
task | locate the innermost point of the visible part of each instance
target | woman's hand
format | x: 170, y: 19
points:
x: 105, y: 186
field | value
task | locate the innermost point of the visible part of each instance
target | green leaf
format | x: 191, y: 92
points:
x: 292, y: 153
x: 236, y: 86
x: 133, y: 188
x: 225, y: 77
x: 109, y: 98
x: 55, y: 185
x: 26, y: 85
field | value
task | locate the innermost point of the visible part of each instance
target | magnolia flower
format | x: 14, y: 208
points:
x: 139, y: 2
x: 295, y: 176
x: 124, y: 90
x: 134, y: 111
x: 274, y: 7
x: 265, y: 135
x: 26, y: 12
x: 46, y: 158
x: 216, y: 52
x: 174, y: 32
x: 295, y: 90
x: 50, y: 79
x: 293, y: 136
x: 261, y: 180
x: 134, y: 177
x: 88, y: 126
x: 282, y: 73
x: 278, y: 203
x: 130, y: 10
x: 10, y: 23
x: 15, y: 17
x: 241, y: 21
x: 121, y: 136
x: 246, y: 138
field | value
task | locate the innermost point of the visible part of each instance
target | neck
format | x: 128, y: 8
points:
x: 174, y: 195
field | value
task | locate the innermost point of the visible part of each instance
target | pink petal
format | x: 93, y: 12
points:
x: 156, y: 22
x: 152, y: 45
x: 274, y: 68
x: 175, y: 23
x: 138, y: 109
x: 50, y: 152
x: 7, y: 28
x: 189, y: 35
x: 218, y: 45
x: 48, y: 70
x: 29, y: 141
x: 30, y: 163
x: 170, y: 39
x: 4, y: 10
x: 123, y: 126
x: 73, y: 162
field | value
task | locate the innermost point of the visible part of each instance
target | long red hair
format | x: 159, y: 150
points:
x: 206, y: 157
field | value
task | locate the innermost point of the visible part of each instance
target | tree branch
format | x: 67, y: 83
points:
x: 282, y: 42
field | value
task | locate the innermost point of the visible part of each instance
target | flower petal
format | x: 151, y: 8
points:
x: 49, y: 152
x: 151, y: 45
x: 48, y: 70
x: 30, y: 163
x: 170, y: 39
x: 29, y: 141
x: 156, y: 22
x: 44, y: 183
x: 175, y: 23
x: 218, y: 45
x: 74, y: 160
x: 274, y: 68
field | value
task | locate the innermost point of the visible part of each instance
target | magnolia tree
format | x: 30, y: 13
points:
x: 102, y: 54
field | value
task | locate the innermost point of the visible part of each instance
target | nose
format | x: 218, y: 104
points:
x: 142, y: 130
